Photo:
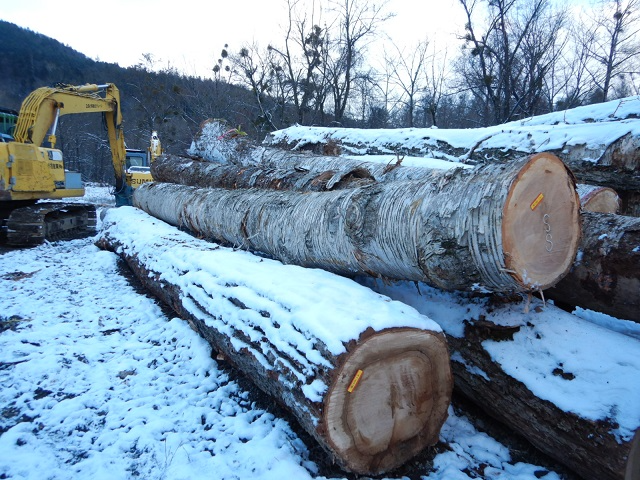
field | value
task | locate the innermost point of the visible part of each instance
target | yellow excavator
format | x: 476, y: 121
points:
x: 31, y: 173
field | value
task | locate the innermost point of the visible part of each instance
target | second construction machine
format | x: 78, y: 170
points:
x: 33, y: 178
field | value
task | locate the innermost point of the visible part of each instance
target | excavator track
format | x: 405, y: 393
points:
x: 32, y: 225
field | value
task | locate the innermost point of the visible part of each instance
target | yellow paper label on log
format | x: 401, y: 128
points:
x: 537, y: 201
x: 354, y: 382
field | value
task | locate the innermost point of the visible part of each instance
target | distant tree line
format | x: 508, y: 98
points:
x: 514, y: 59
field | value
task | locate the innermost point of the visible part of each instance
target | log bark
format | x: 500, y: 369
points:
x: 499, y: 227
x: 373, y: 392
x: 537, y: 372
x: 202, y: 173
x: 587, y: 447
x: 606, y: 274
x: 594, y: 198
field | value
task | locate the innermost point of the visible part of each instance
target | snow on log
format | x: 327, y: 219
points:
x: 367, y: 377
x: 201, y: 173
x: 594, y: 198
x: 499, y: 227
x: 600, y: 143
x: 606, y: 274
x: 570, y: 387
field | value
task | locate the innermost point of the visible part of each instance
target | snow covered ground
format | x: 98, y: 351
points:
x: 98, y: 381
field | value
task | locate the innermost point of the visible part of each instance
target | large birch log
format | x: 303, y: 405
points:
x: 499, y: 227
x: 281, y: 170
x: 367, y: 377
x: 606, y: 274
x: 570, y: 387
x: 616, y: 292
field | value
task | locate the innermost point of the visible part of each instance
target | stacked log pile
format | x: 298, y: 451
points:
x: 372, y: 385
x: 499, y: 227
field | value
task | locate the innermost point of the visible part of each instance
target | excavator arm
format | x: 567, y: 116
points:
x: 33, y: 174
x: 39, y: 113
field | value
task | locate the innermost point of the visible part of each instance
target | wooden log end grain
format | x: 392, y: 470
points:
x: 541, y: 222
x: 598, y: 199
x: 389, y: 400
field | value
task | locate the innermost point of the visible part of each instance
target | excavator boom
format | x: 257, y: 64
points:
x: 31, y: 169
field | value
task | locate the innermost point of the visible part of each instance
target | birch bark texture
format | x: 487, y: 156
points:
x: 503, y: 228
x: 371, y: 384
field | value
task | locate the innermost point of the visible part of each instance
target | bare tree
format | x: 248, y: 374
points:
x: 301, y: 59
x: 614, y: 43
x: 434, y: 91
x: 357, y: 21
x: 253, y: 68
x: 407, y: 70
x: 507, y: 60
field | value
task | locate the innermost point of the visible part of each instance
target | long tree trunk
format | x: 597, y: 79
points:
x: 499, y: 227
x: 606, y: 277
x: 571, y: 388
x: 282, y: 170
x: 606, y: 274
x: 369, y: 379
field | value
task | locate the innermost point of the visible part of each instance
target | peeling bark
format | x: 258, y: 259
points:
x: 201, y: 173
x: 499, y: 227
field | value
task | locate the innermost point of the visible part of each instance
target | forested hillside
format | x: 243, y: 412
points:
x: 168, y: 102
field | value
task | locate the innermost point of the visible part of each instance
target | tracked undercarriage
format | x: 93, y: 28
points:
x: 31, y: 225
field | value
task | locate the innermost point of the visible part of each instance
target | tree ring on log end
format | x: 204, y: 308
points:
x: 633, y: 462
x: 541, y: 222
x: 389, y: 400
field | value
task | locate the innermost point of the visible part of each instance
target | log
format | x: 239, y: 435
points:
x: 569, y: 387
x: 372, y: 384
x: 201, y: 173
x: 508, y: 227
x: 606, y: 274
x: 594, y: 198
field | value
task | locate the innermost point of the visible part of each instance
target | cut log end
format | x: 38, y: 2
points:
x: 600, y: 200
x: 633, y: 462
x: 541, y: 223
x: 389, y: 400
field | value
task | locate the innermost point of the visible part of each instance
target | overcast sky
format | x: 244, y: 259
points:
x: 190, y: 33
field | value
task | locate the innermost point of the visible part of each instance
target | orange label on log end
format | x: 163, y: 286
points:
x: 354, y: 382
x: 537, y: 201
